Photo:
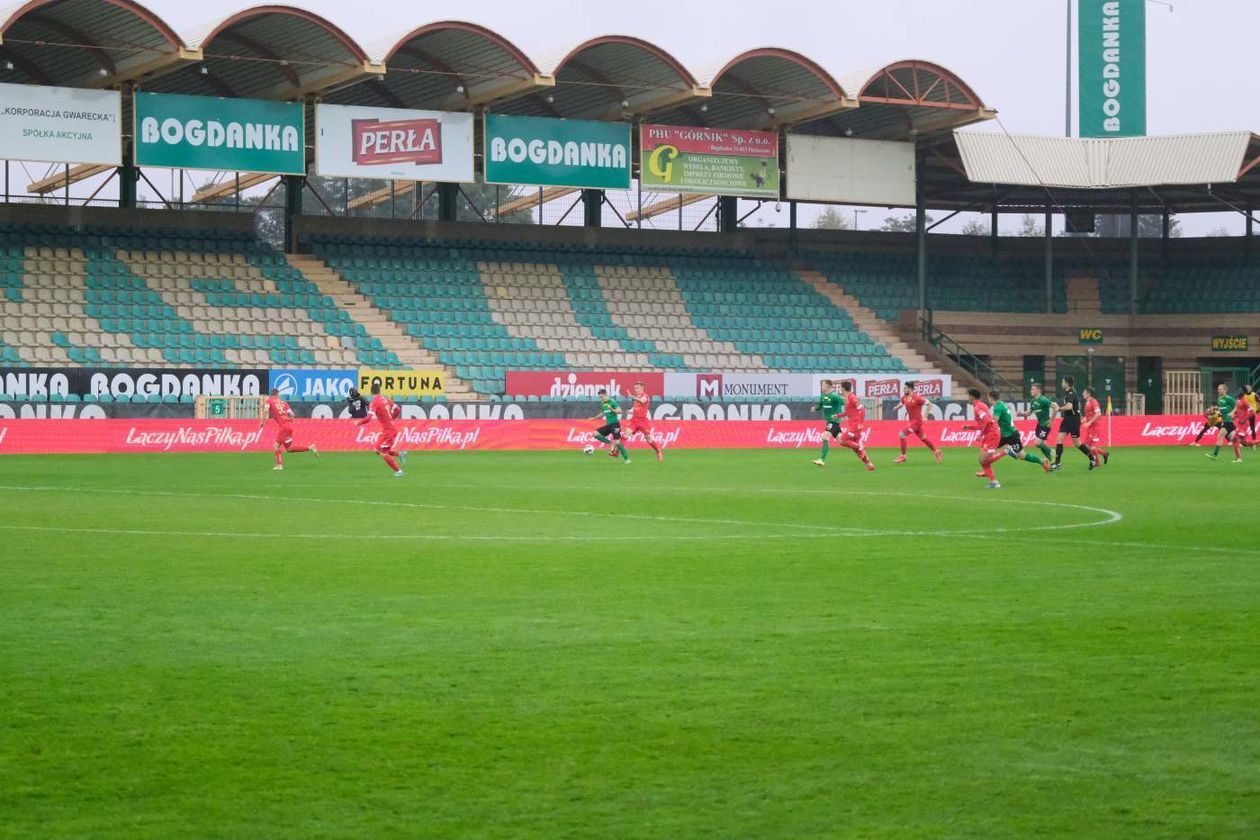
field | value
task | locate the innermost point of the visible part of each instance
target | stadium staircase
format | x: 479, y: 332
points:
x: 156, y: 298
x: 409, y: 353
x: 871, y: 324
x: 1083, y: 296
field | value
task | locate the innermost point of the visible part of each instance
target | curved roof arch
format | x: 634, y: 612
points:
x: 613, y: 76
x: 271, y: 52
x: 447, y: 65
x: 769, y: 87
x: 85, y: 43
x: 906, y: 99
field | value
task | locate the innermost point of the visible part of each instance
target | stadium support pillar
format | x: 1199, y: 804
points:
x: 920, y: 246
x: 593, y: 208
x: 1049, y: 236
x: 448, y: 201
x: 993, y: 231
x: 1250, y: 229
x: 1166, y: 232
x: 728, y: 213
x: 293, y: 185
x: 1133, y: 251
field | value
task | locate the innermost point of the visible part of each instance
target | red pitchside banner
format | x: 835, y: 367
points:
x: 536, y: 383
x: 159, y: 435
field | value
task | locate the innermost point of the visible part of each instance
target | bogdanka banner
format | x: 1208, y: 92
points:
x: 234, y: 135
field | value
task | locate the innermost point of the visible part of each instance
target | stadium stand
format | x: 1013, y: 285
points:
x: 166, y: 298
x: 886, y: 282
x: 488, y: 308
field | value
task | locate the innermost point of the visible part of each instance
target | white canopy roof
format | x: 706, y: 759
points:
x: 1103, y: 163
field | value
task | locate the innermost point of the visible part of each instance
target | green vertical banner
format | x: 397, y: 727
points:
x: 1112, y: 68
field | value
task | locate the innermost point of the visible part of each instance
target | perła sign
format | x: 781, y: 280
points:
x: 203, y: 132
x: 581, y: 154
x: 393, y: 144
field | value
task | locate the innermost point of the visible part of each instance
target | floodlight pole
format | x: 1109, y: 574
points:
x: 1067, y: 91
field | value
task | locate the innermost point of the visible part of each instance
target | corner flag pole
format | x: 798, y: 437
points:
x: 1109, y: 411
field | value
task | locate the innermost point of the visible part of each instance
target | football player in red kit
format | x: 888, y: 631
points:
x: 1091, y: 430
x: 640, y: 420
x: 386, y: 412
x: 279, y: 410
x: 854, y: 414
x: 913, y: 404
x: 990, y: 437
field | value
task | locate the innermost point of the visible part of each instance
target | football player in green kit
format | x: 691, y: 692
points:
x: 1010, y: 435
x: 610, y: 413
x: 1041, y: 407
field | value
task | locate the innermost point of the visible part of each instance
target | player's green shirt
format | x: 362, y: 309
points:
x: 1226, y: 404
x: 1042, y: 408
x: 830, y: 405
x: 1002, y: 414
x: 610, y: 410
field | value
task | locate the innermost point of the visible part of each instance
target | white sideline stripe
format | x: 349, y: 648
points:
x: 463, y: 508
x: 1110, y: 517
x: 396, y: 537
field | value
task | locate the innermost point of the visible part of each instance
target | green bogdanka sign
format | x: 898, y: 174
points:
x: 557, y: 153
x: 1112, y: 68
x: 205, y: 132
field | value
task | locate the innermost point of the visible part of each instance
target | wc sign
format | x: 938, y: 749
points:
x: 1091, y: 335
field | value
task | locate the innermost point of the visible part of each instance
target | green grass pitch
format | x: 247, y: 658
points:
x: 726, y: 645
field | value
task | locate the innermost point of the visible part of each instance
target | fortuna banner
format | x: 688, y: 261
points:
x: 234, y: 135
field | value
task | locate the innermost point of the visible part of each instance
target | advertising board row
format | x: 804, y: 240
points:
x: 294, y: 383
x: 69, y: 125
x: 716, y: 385
x: 314, y: 385
x: 157, y: 435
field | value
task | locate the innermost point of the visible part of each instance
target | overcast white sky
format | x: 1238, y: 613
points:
x: 1010, y: 51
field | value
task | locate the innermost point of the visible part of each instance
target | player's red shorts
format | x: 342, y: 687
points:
x: 386, y: 441
x: 913, y: 429
x: 852, y: 434
x: 1093, y: 438
x: 637, y: 427
x: 992, y: 440
x: 285, y: 436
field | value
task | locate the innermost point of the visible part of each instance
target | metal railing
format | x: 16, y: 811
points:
x: 963, y: 357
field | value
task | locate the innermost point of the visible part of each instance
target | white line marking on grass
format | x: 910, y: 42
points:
x: 1110, y: 517
x: 395, y: 537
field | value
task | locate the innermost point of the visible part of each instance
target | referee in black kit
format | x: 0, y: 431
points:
x: 1070, y: 424
x: 358, y: 404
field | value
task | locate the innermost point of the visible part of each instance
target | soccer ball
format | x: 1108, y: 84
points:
x: 588, y: 449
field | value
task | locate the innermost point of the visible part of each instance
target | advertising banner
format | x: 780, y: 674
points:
x: 60, y: 125
x: 42, y: 383
x: 392, y: 144
x: 847, y: 171
x: 305, y: 384
x: 65, y: 436
x: 582, y: 154
x: 536, y: 383
x: 718, y: 161
x: 797, y: 385
x: 1112, y: 74
x: 401, y: 383
x: 206, y: 132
